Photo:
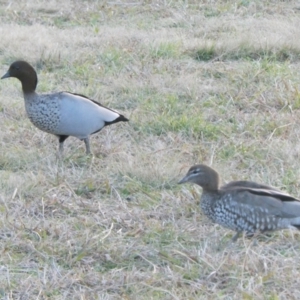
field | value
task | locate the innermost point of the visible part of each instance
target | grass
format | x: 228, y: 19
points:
x: 245, y: 51
x: 201, y: 81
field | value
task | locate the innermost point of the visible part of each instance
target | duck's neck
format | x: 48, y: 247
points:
x: 29, y: 85
x: 210, y: 189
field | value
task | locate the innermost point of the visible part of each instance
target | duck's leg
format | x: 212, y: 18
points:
x: 62, y: 138
x: 87, y: 145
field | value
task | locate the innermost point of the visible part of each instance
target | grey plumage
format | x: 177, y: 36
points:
x: 249, y: 184
x: 244, y: 206
x: 63, y: 114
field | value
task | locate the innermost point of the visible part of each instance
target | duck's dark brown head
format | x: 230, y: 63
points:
x: 25, y: 73
x: 204, y: 176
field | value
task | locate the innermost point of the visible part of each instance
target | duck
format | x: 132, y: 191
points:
x: 243, y: 206
x: 62, y: 114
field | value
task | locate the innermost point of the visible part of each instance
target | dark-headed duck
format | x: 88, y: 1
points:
x: 63, y: 114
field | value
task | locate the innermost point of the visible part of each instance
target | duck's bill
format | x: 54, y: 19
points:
x: 183, y: 180
x: 6, y: 75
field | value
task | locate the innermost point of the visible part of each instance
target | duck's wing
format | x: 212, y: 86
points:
x: 247, y: 184
x: 273, y: 202
x: 80, y: 117
x: 97, y: 103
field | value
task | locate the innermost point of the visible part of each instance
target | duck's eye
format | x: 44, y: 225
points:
x: 16, y: 67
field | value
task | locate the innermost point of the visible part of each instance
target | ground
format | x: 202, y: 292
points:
x: 213, y: 82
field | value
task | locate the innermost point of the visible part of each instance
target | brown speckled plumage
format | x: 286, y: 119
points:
x: 244, y: 206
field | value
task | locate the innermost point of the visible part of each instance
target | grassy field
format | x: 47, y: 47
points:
x: 213, y: 82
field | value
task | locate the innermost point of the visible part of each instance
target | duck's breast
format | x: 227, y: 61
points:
x: 43, y: 111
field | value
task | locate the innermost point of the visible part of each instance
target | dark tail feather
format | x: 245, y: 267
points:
x: 297, y: 226
x: 121, y: 118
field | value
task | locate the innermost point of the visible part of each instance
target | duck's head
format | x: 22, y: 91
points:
x: 202, y: 175
x: 25, y: 73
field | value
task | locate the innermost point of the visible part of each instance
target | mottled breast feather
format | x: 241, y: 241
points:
x: 43, y: 111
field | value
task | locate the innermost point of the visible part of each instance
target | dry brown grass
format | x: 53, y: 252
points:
x: 201, y: 81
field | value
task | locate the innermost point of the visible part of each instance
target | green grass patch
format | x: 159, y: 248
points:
x: 164, y: 113
x: 166, y: 50
x: 205, y: 53
x: 245, y: 51
x: 114, y: 60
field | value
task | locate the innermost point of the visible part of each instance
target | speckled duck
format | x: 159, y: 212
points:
x: 244, y: 206
x: 63, y: 114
